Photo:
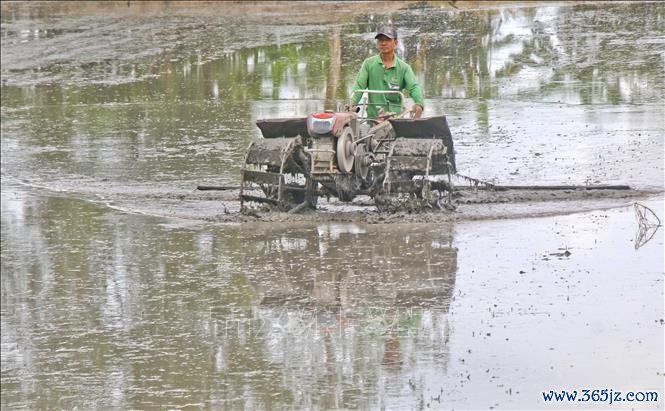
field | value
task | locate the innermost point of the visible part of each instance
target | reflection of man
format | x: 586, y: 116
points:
x: 387, y: 72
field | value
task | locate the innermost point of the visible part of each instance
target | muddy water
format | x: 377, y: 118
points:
x: 116, y: 293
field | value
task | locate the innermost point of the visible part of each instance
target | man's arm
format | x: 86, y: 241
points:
x: 361, y: 82
x: 414, y: 89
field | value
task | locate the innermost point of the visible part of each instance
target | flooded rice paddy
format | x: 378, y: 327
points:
x: 124, y: 287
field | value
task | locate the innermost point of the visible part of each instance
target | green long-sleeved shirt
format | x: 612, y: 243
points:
x: 374, y: 76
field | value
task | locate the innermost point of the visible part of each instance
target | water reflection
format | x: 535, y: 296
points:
x: 345, y: 298
x: 458, y: 54
x: 123, y: 311
x: 351, y: 269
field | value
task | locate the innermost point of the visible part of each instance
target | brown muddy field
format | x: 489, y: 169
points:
x: 223, y: 206
x: 125, y: 287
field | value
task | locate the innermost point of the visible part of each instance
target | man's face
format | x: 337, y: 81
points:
x: 385, y: 44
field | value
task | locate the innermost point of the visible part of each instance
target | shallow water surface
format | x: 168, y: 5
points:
x: 118, y: 294
x: 107, y: 309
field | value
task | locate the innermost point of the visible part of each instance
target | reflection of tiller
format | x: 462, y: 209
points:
x: 398, y: 161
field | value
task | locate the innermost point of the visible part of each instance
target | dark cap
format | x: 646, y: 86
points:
x: 386, y: 31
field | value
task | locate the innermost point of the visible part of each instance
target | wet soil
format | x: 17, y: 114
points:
x: 223, y: 206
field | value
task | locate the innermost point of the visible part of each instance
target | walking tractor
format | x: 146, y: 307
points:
x: 398, y: 161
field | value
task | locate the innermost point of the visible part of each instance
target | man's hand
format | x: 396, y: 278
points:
x: 417, y: 110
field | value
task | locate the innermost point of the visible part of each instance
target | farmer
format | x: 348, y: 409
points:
x: 386, y: 71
